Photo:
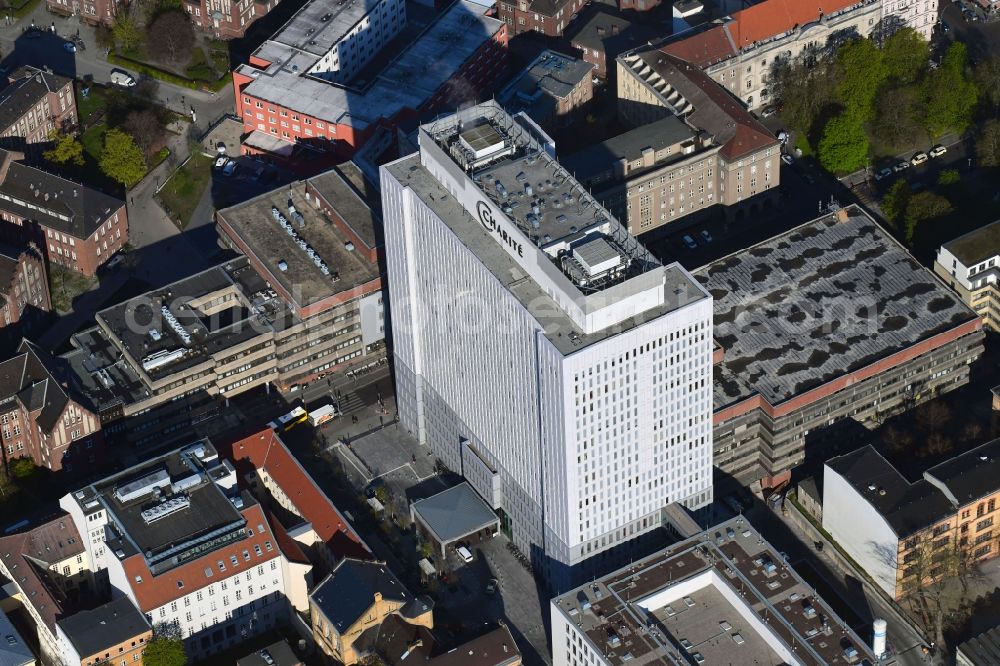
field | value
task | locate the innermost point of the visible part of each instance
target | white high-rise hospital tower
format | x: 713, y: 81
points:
x: 540, y: 350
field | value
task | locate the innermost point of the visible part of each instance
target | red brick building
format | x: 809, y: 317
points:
x: 24, y: 287
x: 91, y: 11
x: 225, y: 19
x: 549, y: 17
x: 39, y: 419
x: 292, y: 115
x: 77, y: 227
x: 36, y: 103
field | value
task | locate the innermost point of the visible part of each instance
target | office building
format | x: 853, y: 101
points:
x: 554, y: 90
x: 50, y: 570
x: 969, y: 265
x: 78, y: 228
x: 113, y: 633
x: 305, y: 300
x: 832, y: 320
x: 41, y: 418
x: 35, y: 104
x: 894, y: 527
x: 694, y: 146
x: 177, y: 537
x: 303, y: 99
x: 722, y: 597
x: 24, y: 288
x: 547, y: 303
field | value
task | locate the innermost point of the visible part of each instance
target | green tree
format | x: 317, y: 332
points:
x: 804, y: 91
x: 950, y: 96
x: 126, y: 30
x: 897, y: 122
x: 23, y: 468
x: 988, y: 144
x: 121, y: 159
x: 67, y: 150
x: 905, y: 54
x: 896, y: 201
x: 163, y: 651
x: 862, y: 68
x: 844, y: 146
x: 987, y: 76
x: 922, y: 207
x: 949, y: 177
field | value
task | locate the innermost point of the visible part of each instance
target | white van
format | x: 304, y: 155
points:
x: 464, y: 553
x: 120, y: 78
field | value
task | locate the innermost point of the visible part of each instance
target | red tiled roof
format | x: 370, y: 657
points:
x: 289, y: 546
x: 266, y: 451
x: 155, y: 591
x: 758, y: 23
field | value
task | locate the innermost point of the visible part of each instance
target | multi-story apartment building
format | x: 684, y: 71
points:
x: 554, y: 90
x: 113, y: 633
x: 603, y: 35
x: 225, y: 19
x: 305, y: 300
x: 831, y: 321
x: 694, y: 146
x: 899, y: 530
x: 24, y: 288
x: 177, y: 537
x: 549, y: 17
x: 35, y: 104
x: 545, y: 302
x: 725, y: 596
x: 301, y: 91
x: 41, y: 419
x: 740, y: 50
x: 77, y: 227
x: 50, y: 570
x: 970, y: 265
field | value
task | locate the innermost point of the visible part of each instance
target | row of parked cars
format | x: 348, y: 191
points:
x: 916, y: 160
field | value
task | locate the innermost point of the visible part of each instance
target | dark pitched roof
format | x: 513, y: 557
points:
x: 599, y: 157
x: 715, y: 110
x: 28, y: 85
x: 278, y: 654
x: 969, y: 476
x: 907, y: 507
x: 612, y: 33
x: 349, y: 591
x: 975, y: 246
x: 28, y: 377
x: 982, y: 650
x: 94, y: 631
x: 496, y: 648
x: 71, y: 208
x: 394, y: 637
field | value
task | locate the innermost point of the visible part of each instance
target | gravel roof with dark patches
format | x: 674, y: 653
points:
x: 817, y: 302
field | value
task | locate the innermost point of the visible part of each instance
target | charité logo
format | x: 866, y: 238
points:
x: 486, y: 217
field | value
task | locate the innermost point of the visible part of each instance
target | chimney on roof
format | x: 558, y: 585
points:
x: 600, y: 30
x: 614, y: 28
x: 843, y: 215
x: 378, y: 597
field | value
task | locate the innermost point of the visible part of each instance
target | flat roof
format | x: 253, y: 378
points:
x: 976, y: 246
x: 171, y: 508
x: 256, y: 224
x: 197, y: 326
x: 319, y: 26
x: 820, y: 301
x: 94, y: 631
x: 907, y: 507
x: 600, y: 157
x: 408, y: 82
x: 696, y: 595
x: 455, y: 513
x: 278, y: 653
x: 538, y: 87
x: 345, y: 189
x: 679, y: 288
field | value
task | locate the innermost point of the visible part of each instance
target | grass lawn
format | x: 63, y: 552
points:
x: 92, y: 103
x: 93, y: 141
x: 65, y: 285
x: 181, y: 194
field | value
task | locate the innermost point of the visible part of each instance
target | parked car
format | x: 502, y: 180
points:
x: 491, y: 587
x: 937, y: 151
x: 689, y: 242
x: 768, y: 111
x: 902, y: 166
x: 919, y: 158
x: 883, y: 173
x: 464, y: 553
x: 123, y: 79
x: 69, y: 47
x: 787, y: 159
x: 221, y: 162
x: 229, y: 168
x: 707, y: 237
